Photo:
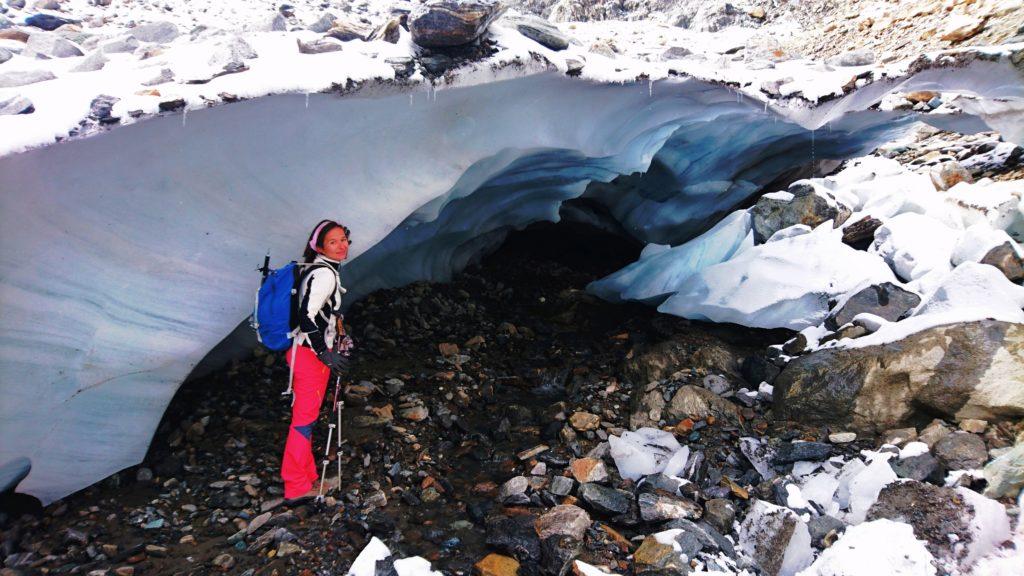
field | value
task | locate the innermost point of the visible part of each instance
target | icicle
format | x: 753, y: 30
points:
x: 650, y: 88
x: 307, y: 100
x: 765, y: 106
x: 410, y: 99
x: 812, y: 153
x: 184, y: 116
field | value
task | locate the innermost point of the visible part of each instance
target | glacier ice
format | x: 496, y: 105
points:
x: 125, y: 257
x: 876, y: 547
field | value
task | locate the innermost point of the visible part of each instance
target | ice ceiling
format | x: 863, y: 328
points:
x: 126, y: 257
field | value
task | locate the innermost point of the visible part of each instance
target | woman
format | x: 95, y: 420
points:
x: 317, y: 350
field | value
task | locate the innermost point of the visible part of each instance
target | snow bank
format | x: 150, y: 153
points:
x: 872, y: 548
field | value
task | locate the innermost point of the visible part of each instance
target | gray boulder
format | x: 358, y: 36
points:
x: 319, y: 46
x: 803, y: 204
x: 324, y: 23
x: 961, y: 451
x: 16, y: 105
x: 969, y: 370
x: 539, y: 30
x: 1005, y: 474
x: 123, y: 44
x: 46, y: 46
x: 656, y: 507
x: 5, y: 55
x: 885, y: 300
x: 24, y: 77
x: 160, y: 32
x: 95, y: 61
x: 446, y: 23
x: 604, y: 499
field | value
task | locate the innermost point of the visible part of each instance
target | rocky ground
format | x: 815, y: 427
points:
x: 476, y: 432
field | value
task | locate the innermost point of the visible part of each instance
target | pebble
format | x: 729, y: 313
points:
x: 584, y: 421
x: 842, y: 437
x: 563, y: 520
x: 496, y: 565
x: 224, y: 562
x: 604, y: 499
x: 588, y: 470
x: 974, y: 426
x: 720, y: 513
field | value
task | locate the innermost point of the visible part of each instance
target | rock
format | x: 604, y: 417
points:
x: 16, y: 4
x: 319, y: 46
x: 950, y: 174
x: 1005, y: 474
x: 561, y: 486
x: 41, y: 45
x: 604, y: 499
x: 224, y: 562
x: 574, y: 66
x: 801, y: 204
x: 932, y: 433
x: 5, y: 55
x: 165, y: 76
x: 938, y: 515
x: 717, y: 384
x: 920, y: 467
x: 961, y: 27
x: 885, y: 300
x: 583, y: 421
x: 93, y: 62
x: 720, y: 514
x: 515, y: 536
x: 860, y: 234
x: 1006, y: 258
x: 563, y: 520
x: 160, y: 32
x: 324, y: 23
x: 539, y: 30
x: 513, y: 491
x: 675, y: 53
x: 287, y: 549
x: 390, y: 32
x: 48, y: 22
x: 436, y: 65
x: 968, y: 370
x: 775, y: 538
x: 795, y: 346
x: 24, y: 77
x: 699, y: 403
x: 415, y: 413
x: 654, y: 555
x: 899, y: 436
x: 842, y: 437
x: 660, y: 507
x: 862, y: 57
x: 821, y: 526
x: 496, y: 565
x: 445, y: 23
x: 348, y: 30
x: 789, y: 452
x: 101, y: 109
x: 588, y: 470
x: 961, y: 451
x: 697, y: 536
x: 278, y: 23
x: 16, y: 105
x: 17, y: 35
x: 973, y: 426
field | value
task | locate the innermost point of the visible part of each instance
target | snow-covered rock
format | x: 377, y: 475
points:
x: 914, y: 244
x: 776, y: 539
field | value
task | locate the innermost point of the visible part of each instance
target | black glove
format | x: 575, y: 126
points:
x: 334, y: 360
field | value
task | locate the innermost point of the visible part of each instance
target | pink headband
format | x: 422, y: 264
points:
x: 316, y: 233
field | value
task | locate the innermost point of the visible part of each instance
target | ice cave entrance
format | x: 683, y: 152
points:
x: 154, y: 229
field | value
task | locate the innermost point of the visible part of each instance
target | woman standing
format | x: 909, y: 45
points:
x: 317, y: 350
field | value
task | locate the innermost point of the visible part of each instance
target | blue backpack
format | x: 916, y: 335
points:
x: 275, y: 316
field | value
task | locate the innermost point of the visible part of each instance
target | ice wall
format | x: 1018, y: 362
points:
x: 124, y: 258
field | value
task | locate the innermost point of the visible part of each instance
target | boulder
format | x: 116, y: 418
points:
x: 563, y: 520
x: 539, y: 30
x: 16, y: 105
x: 48, y: 22
x: 347, y: 30
x: 776, y: 539
x: 885, y: 300
x: 93, y: 62
x: 862, y: 57
x: 1005, y: 474
x: 324, y: 23
x: 698, y: 403
x: 446, y: 23
x: 390, y: 32
x: 968, y: 370
x: 5, y: 55
x: 24, y: 77
x: 660, y: 507
x: 123, y: 44
x: 1008, y: 260
x: 961, y: 451
x: 801, y: 204
x: 160, y: 32
x: 861, y: 233
x: 319, y: 46
x: 46, y: 46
